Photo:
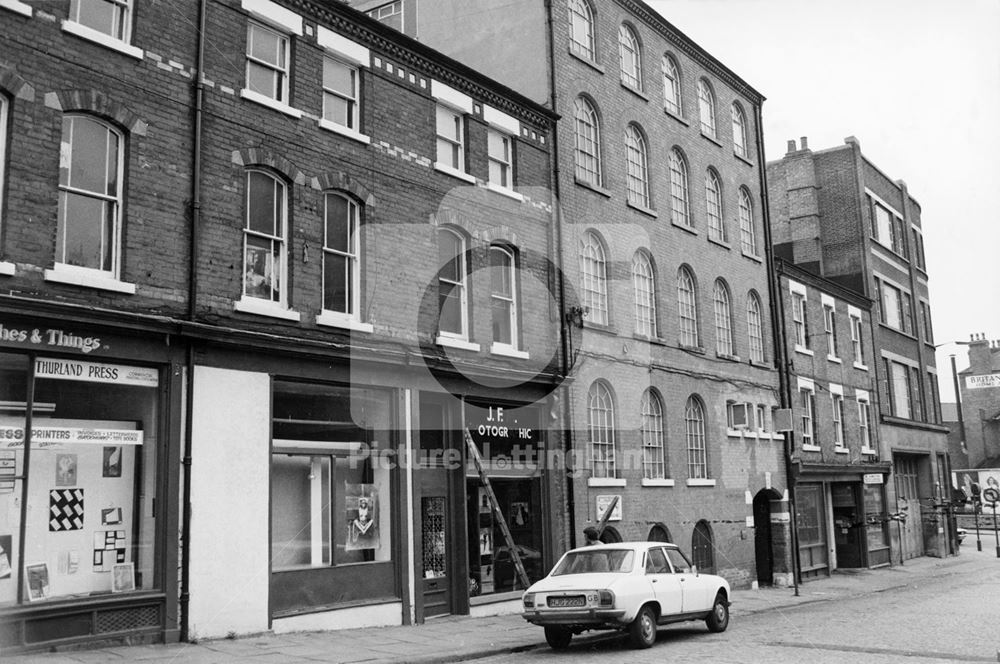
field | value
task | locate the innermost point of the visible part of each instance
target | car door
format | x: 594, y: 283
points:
x: 694, y: 588
x: 667, y: 586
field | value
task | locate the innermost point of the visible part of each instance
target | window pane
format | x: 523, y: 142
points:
x: 501, y: 321
x: 500, y: 273
x: 260, y: 279
x: 450, y: 301
x: 338, y: 76
x: 300, y: 533
x: 103, y: 16
x: 338, y: 224
x: 262, y: 203
x: 266, y: 46
x: 84, y: 232
x: 338, y: 110
x: 336, y: 283
x: 449, y: 250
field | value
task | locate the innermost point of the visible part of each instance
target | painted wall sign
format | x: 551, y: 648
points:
x: 504, y: 432
x: 94, y: 372
x: 874, y: 478
x: 980, y: 382
x: 12, y: 437
x: 49, y: 337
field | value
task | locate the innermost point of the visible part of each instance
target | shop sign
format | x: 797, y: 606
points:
x: 979, y: 382
x: 502, y: 432
x: 13, y: 437
x: 602, y: 506
x: 94, y: 372
x: 874, y: 478
x: 28, y: 337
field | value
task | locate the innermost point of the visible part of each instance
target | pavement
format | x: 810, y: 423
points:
x: 463, y: 638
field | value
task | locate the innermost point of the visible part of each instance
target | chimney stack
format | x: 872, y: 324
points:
x: 805, y: 142
x: 791, y: 146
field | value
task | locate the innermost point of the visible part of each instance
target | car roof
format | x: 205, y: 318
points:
x: 634, y: 546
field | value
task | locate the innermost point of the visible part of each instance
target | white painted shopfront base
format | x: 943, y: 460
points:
x: 379, y: 615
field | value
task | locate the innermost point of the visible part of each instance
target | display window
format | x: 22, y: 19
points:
x: 331, y: 491
x: 877, y: 537
x: 77, y: 496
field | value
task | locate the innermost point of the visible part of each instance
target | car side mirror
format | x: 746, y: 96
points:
x: 694, y: 570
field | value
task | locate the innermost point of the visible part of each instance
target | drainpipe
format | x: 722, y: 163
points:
x: 199, y: 97
x: 560, y: 280
x: 780, y: 348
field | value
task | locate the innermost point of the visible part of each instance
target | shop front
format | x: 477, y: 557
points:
x: 841, y: 518
x: 88, y: 448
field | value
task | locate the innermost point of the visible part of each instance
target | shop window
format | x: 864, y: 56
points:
x: 491, y: 566
x: 332, y: 499
x: 89, y: 475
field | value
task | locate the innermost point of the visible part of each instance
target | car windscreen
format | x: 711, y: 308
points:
x: 595, y: 560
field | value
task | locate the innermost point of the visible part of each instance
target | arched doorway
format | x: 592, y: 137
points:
x: 702, y: 548
x: 610, y: 536
x: 763, y: 537
x: 659, y: 533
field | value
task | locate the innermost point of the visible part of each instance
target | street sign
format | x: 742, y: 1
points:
x: 991, y: 495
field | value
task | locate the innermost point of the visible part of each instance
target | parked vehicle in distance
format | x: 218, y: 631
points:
x: 629, y: 586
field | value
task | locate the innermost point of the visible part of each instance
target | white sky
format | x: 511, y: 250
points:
x: 918, y: 83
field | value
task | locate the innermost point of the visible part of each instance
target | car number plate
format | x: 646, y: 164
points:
x: 572, y: 600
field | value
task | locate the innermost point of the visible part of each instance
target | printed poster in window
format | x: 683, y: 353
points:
x: 361, y: 501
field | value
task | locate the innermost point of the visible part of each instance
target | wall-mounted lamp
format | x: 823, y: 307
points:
x: 575, y: 315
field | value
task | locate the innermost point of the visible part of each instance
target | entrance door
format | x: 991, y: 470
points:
x: 762, y: 538
x: 907, y: 492
x: 702, y: 549
x: 847, y: 526
x: 435, y: 547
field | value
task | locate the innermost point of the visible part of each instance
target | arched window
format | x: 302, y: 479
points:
x: 671, y: 86
x: 748, y: 230
x: 581, y: 28
x: 588, y: 142
x: 265, y: 238
x: 593, y: 273
x: 755, y: 328
x: 3, y: 158
x: 601, y: 424
x: 637, y: 173
x: 659, y: 533
x: 610, y: 535
x: 341, y: 267
x: 706, y: 108
x: 687, y: 308
x: 739, y: 131
x: 653, y: 465
x: 453, y: 285
x: 694, y: 427
x: 503, y: 296
x: 703, y: 548
x: 723, y: 320
x: 90, y: 195
x: 630, y: 54
x: 713, y: 200
x: 645, y: 294
x: 679, y: 189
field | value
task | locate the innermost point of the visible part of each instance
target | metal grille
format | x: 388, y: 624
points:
x: 433, y: 526
x: 121, y: 620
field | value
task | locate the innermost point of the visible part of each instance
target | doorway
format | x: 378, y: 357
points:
x: 702, y: 548
x: 847, y: 526
x: 763, y: 538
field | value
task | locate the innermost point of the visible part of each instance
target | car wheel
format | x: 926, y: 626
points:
x: 718, y: 619
x: 642, y: 630
x: 558, y: 637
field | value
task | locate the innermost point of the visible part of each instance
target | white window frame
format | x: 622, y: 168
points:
x: 864, y: 421
x: 654, y: 465
x: 581, y: 15
x: 891, y: 305
x: 587, y: 132
x: 830, y: 327
x: 694, y: 430
x: 388, y: 10
x: 900, y: 391
x: 687, y: 308
x: 352, y: 98
x: 280, y: 69
x: 110, y: 238
x: 680, y: 206
x: 119, y: 38
x: 800, y: 319
x: 462, y: 284
x: 672, y: 99
x: 755, y: 328
x: 508, y: 300
x: 837, y: 401
x: 748, y: 228
x: 500, y: 154
x: 644, y: 286
x: 278, y: 273
x: 739, y: 131
x: 630, y: 57
x: 6, y: 268
x: 637, y: 167
x: 601, y: 428
x: 352, y: 254
x: 760, y: 417
x: 807, y: 403
x: 451, y: 145
x: 722, y: 304
x: 706, y: 108
x: 713, y: 207
x: 594, y: 278
x: 857, y: 338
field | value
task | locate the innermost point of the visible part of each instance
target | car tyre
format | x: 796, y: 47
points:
x: 558, y: 638
x: 718, y: 619
x: 642, y: 630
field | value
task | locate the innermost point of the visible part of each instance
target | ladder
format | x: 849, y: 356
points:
x: 514, y: 555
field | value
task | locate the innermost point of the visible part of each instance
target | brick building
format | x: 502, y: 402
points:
x: 979, y: 384
x: 275, y: 272
x: 836, y: 215
x: 661, y: 211
x: 839, y: 479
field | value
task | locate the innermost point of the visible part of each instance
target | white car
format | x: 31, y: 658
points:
x: 633, y: 586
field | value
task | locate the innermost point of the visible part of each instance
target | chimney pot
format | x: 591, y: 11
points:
x: 805, y: 142
x: 791, y: 145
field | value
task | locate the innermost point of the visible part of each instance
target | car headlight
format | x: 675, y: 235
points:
x: 529, y: 600
x: 606, y: 598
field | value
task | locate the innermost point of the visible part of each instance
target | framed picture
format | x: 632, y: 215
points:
x: 122, y: 577
x: 37, y: 577
x: 5, y: 556
x: 65, y: 470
